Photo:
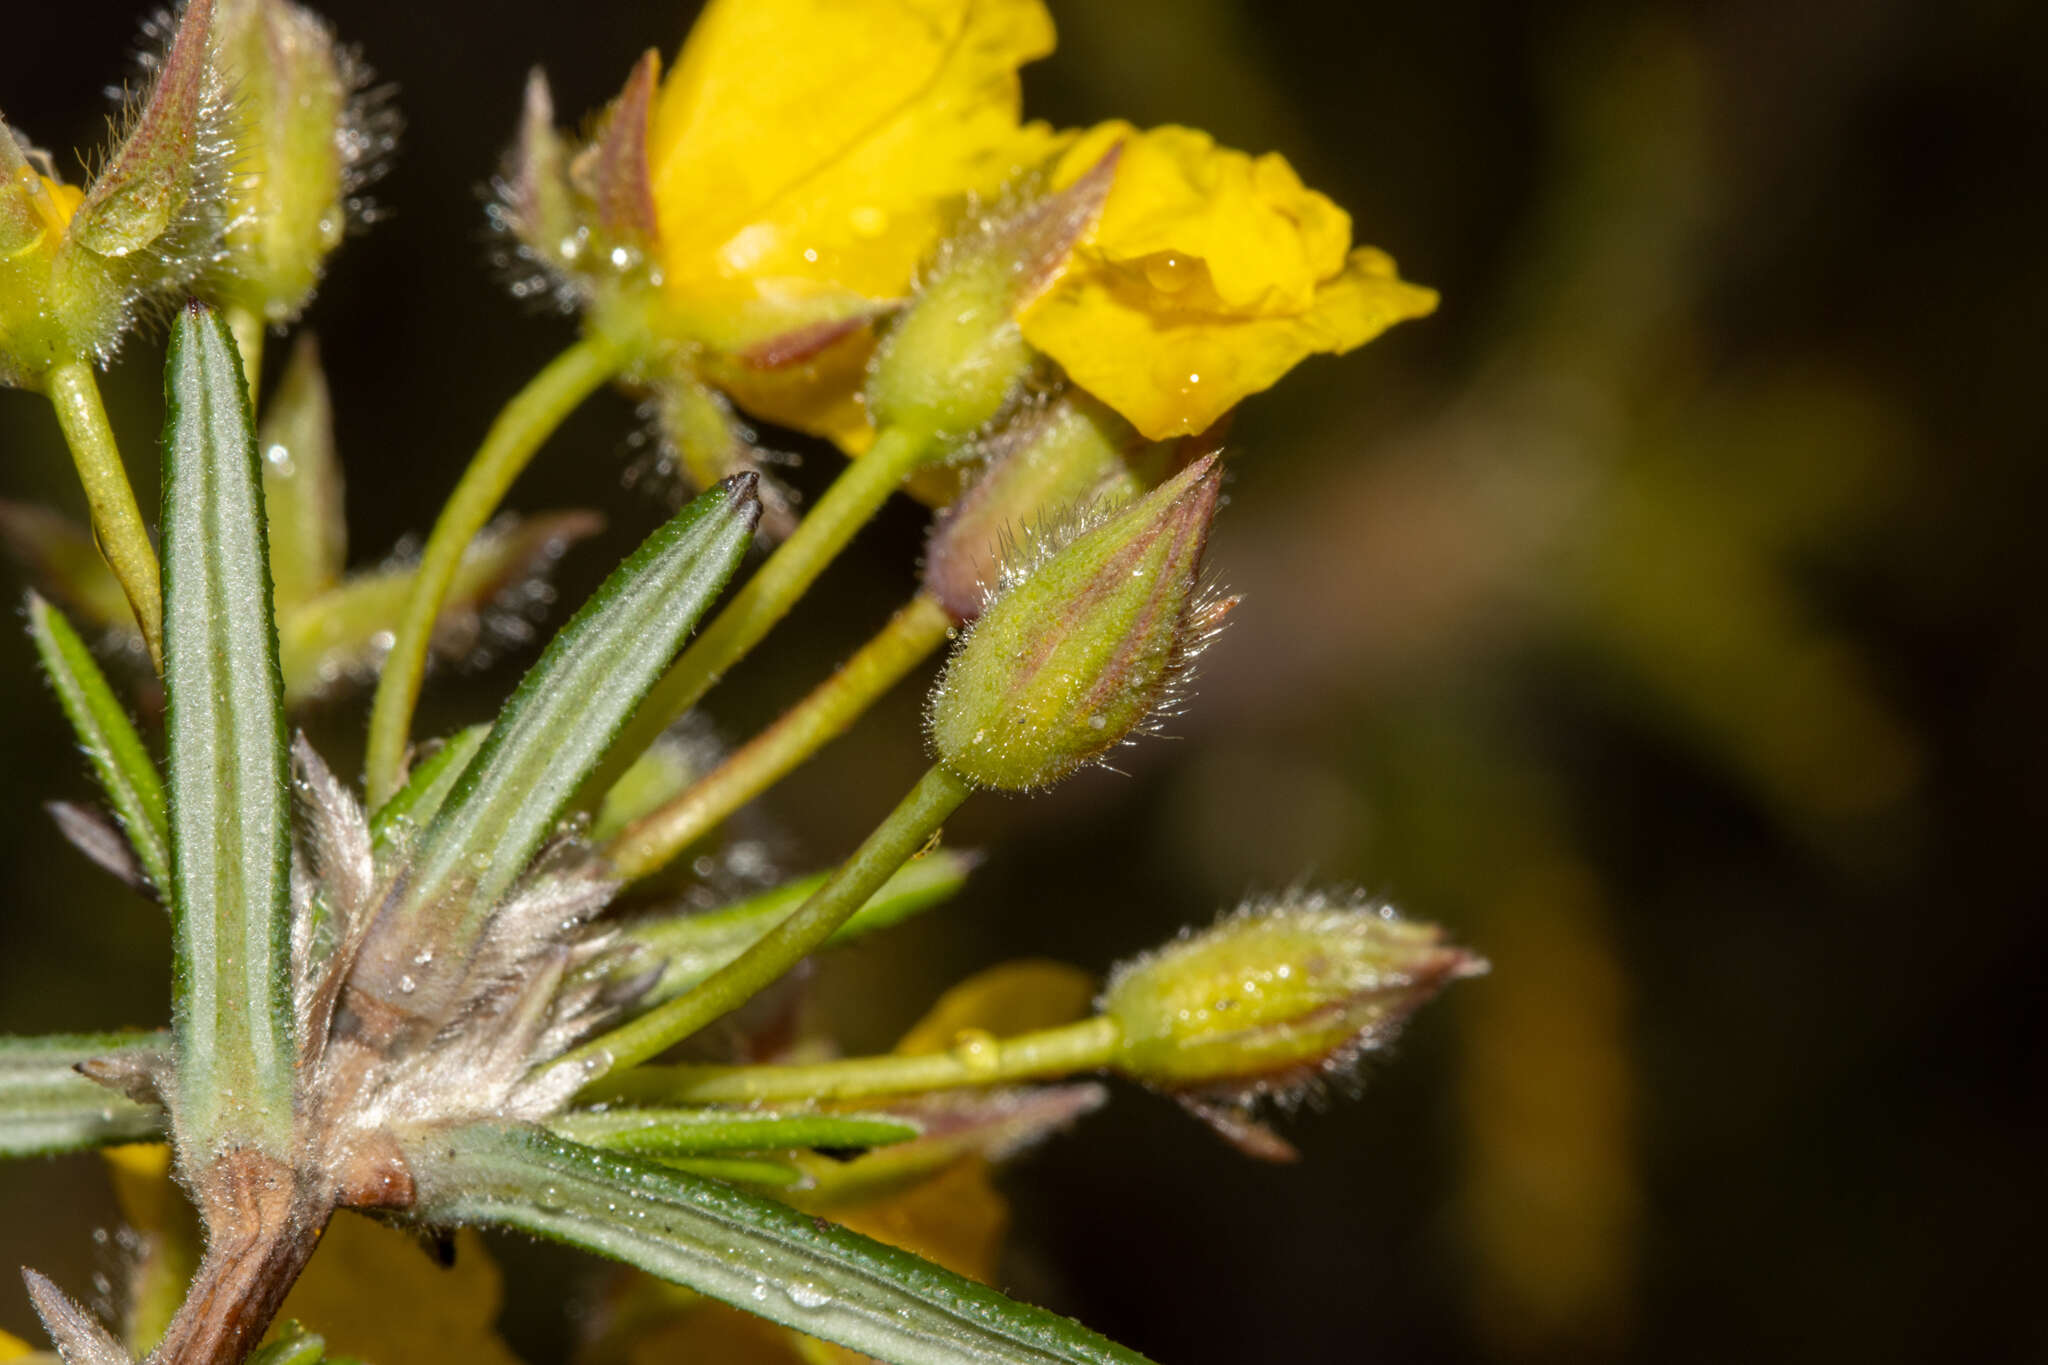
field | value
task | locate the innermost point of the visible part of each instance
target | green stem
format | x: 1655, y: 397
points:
x: 532, y: 415
x: 854, y: 497
x: 894, y: 842
x: 249, y: 331
x: 649, y: 843
x: 1089, y: 1045
x: 116, y: 519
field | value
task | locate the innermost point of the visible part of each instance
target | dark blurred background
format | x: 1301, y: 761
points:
x: 1661, y: 616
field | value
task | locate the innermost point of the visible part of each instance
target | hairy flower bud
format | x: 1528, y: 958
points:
x: 77, y: 266
x: 1277, y: 994
x: 956, y: 358
x: 1083, y: 645
x: 304, y: 144
x: 1073, y: 452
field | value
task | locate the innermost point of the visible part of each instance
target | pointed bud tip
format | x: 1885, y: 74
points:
x: 1278, y: 994
x: 1082, y: 646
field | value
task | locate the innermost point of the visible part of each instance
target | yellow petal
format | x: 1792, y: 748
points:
x: 1173, y: 373
x: 820, y: 143
x: 1013, y: 998
x: 13, y: 1347
x: 371, y: 1294
x: 1209, y: 229
x: 820, y: 396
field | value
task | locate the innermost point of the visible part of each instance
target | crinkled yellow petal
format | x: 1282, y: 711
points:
x: 1173, y: 373
x: 820, y: 396
x: 1209, y: 228
x: 821, y: 143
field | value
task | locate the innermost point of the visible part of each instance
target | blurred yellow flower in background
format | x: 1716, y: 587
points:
x: 1208, y: 276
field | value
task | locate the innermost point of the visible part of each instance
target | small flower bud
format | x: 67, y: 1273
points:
x: 76, y: 267
x: 304, y: 144
x: 1276, y: 995
x: 1082, y: 646
x: 956, y: 358
x: 1073, y: 452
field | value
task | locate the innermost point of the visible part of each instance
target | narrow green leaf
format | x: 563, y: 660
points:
x: 766, y: 1172
x: 568, y: 707
x: 61, y: 560
x: 692, y: 947
x: 433, y: 777
x: 229, y: 776
x: 302, y: 490
x: 744, y: 1249
x: 46, y: 1106
x: 126, y: 771
x: 709, y: 1132
x: 343, y: 632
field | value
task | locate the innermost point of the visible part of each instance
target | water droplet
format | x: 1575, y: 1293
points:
x: 407, y: 984
x: 423, y: 957
x: 804, y: 1294
x: 1098, y: 721
x: 868, y: 221
x: 759, y: 1293
x: 978, y: 1051
x: 1170, y: 274
x: 551, y: 1200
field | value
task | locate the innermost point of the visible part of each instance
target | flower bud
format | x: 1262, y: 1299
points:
x: 1276, y: 995
x: 1073, y: 452
x: 956, y: 358
x: 76, y: 266
x: 1081, y: 646
x: 304, y: 145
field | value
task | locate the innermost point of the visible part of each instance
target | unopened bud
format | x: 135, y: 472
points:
x: 1277, y: 995
x: 956, y: 357
x: 1073, y: 452
x: 303, y: 145
x: 75, y: 268
x: 1083, y: 645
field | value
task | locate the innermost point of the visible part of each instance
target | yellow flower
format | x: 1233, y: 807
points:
x: 803, y: 157
x: 1208, y: 276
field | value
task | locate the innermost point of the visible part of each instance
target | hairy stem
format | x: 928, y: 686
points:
x: 651, y: 842
x: 894, y: 842
x: 532, y: 415
x: 1088, y: 1045
x: 852, y: 500
x: 261, y: 1227
x: 116, y: 519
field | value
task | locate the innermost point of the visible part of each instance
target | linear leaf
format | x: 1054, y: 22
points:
x: 126, y: 771
x: 61, y: 560
x: 746, y: 1250
x: 568, y: 707
x: 229, y: 776
x: 692, y: 947
x: 342, y: 632
x: 432, y: 778
x: 708, y: 1131
x: 47, y: 1107
x: 302, y: 490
